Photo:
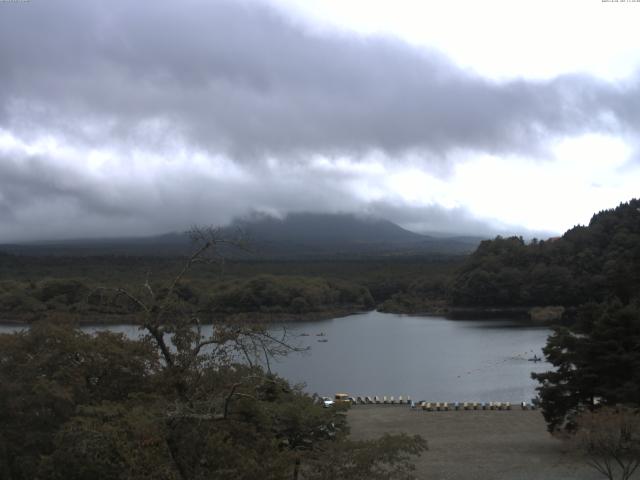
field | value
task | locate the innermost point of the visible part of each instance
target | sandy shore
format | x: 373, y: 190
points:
x: 483, y: 445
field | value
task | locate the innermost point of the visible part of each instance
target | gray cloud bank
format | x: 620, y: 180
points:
x: 241, y: 80
x: 40, y: 200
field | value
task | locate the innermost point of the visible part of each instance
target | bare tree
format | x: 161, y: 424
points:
x: 610, y: 438
x: 175, y: 326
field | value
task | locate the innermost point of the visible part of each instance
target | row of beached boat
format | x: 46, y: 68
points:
x: 428, y: 406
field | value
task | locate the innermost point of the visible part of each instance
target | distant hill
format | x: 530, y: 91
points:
x: 343, y: 234
x: 321, y: 229
x: 297, y: 235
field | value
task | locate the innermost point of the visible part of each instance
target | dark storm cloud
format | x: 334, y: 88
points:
x: 239, y: 78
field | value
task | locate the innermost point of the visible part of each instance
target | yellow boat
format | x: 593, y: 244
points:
x: 342, y: 398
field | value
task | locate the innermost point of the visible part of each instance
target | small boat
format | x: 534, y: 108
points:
x: 535, y: 359
x: 321, y: 334
x: 304, y: 334
x: 323, y: 340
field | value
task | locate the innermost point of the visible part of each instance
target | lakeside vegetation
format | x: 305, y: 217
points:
x: 82, y: 288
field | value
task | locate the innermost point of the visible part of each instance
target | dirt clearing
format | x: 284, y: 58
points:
x: 487, y: 445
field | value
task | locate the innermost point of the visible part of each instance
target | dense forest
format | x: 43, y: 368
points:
x: 83, y: 288
x: 588, y: 263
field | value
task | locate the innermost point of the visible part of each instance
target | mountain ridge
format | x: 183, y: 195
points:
x: 295, y: 235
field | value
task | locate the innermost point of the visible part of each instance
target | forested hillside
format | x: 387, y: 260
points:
x: 588, y: 263
x: 596, y: 270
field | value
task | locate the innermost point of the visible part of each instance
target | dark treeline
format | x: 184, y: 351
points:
x: 84, y: 287
x: 588, y: 263
x: 264, y: 294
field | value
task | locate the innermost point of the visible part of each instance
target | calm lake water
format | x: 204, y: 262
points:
x: 429, y: 358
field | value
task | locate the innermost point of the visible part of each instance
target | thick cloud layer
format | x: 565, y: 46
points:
x: 239, y: 78
x: 240, y: 81
x: 41, y: 198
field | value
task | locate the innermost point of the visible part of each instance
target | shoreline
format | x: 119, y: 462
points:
x: 132, y: 319
x: 448, y: 312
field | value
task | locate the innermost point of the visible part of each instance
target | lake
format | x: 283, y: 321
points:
x: 431, y: 358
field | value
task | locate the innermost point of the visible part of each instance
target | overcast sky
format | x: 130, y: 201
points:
x: 132, y: 118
